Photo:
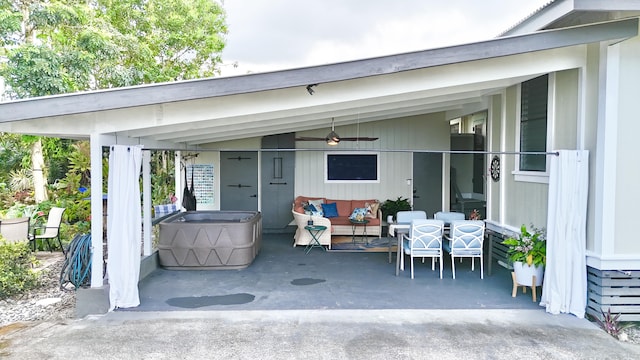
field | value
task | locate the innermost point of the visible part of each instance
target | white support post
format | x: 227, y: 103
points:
x: 607, y: 152
x: 177, y: 175
x: 147, y: 228
x: 97, y: 239
x: 446, y: 180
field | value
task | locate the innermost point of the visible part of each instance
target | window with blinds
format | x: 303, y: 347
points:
x: 533, y: 123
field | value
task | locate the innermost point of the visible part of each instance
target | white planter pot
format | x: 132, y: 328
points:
x: 524, y: 273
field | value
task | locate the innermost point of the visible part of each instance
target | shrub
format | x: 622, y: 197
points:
x: 16, y: 269
x: 530, y: 247
x: 391, y: 207
x: 611, y: 324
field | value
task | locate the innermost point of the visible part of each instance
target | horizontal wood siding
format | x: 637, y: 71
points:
x: 524, y: 202
x: 424, y: 132
x: 498, y: 249
x: 617, y: 291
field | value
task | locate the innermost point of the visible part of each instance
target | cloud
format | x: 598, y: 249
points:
x: 280, y: 34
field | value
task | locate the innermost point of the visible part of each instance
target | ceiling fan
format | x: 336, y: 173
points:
x: 309, y: 138
x: 333, y: 139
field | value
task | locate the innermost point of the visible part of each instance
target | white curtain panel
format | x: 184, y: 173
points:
x: 565, y: 280
x: 124, y: 226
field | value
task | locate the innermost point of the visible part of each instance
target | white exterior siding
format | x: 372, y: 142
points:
x: 523, y: 202
x: 566, y: 110
x: 425, y: 132
x: 617, y: 170
x: 625, y: 234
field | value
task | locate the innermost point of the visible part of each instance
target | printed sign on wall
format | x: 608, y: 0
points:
x: 203, y: 182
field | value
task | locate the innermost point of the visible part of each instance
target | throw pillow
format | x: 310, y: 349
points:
x: 330, y: 210
x: 317, y: 203
x: 306, y: 207
x: 372, y: 209
x: 358, y: 214
x: 315, y: 211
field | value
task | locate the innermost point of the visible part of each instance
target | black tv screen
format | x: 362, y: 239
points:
x: 352, y: 167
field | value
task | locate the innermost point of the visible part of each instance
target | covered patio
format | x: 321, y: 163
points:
x: 285, y: 278
x: 407, y: 103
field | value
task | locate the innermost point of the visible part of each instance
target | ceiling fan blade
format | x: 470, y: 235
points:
x: 359, y: 139
x: 307, y: 138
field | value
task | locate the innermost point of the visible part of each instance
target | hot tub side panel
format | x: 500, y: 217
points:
x: 217, y: 245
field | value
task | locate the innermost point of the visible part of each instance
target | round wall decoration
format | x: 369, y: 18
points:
x: 495, y: 168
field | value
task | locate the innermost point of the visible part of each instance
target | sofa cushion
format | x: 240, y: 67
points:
x: 341, y: 220
x: 344, y: 207
x: 301, y: 202
x: 361, y: 203
x: 330, y: 210
x: 298, y: 202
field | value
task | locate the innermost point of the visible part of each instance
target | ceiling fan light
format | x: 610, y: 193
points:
x: 332, y: 138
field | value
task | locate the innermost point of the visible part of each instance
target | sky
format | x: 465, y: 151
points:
x: 267, y: 35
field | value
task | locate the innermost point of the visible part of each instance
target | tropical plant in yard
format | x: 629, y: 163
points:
x: 529, y: 248
x: 611, y: 324
x: 21, y: 180
x: 16, y: 268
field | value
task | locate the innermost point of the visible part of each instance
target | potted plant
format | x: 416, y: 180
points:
x: 528, y: 253
x: 391, y: 207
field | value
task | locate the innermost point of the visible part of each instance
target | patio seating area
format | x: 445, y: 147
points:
x: 285, y: 278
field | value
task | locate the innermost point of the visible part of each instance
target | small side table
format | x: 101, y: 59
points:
x: 315, y: 231
x: 355, y: 223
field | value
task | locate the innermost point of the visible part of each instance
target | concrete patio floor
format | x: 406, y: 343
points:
x: 285, y: 278
x: 324, y: 305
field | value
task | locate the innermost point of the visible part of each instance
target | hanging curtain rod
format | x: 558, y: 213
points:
x: 552, y: 153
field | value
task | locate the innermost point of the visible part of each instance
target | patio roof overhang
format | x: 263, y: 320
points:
x: 189, y: 114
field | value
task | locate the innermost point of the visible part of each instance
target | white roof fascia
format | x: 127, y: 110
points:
x: 215, y: 87
x: 293, y: 109
x: 555, y: 10
x: 541, y: 18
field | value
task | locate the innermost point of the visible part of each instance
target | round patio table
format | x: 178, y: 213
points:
x: 354, y: 224
x: 315, y: 231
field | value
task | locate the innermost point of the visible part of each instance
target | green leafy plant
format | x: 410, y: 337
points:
x: 16, y: 268
x: 391, y: 207
x: 530, y: 247
x: 611, y: 323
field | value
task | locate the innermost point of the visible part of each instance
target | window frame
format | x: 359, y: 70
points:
x: 528, y: 175
x: 355, y: 181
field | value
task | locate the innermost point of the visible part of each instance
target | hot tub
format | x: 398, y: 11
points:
x: 210, y: 240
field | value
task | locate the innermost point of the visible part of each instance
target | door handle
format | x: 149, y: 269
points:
x: 254, y: 195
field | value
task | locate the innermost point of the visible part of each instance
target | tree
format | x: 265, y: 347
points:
x: 61, y: 46
x: 169, y: 40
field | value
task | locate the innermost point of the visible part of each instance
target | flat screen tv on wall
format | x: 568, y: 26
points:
x: 352, y: 167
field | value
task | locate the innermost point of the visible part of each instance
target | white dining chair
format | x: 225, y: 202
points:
x: 405, y: 217
x: 465, y: 239
x: 424, y: 240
